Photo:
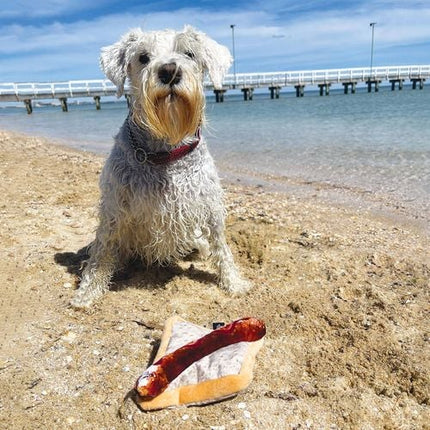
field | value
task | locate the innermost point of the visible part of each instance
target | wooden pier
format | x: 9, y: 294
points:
x: 245, y: 82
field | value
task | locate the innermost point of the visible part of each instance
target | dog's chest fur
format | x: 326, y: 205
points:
x: 160, y: 210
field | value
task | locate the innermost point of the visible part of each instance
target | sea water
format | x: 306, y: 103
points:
x: 369, y: 149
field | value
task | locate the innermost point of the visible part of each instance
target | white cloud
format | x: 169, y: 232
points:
x: 265, y: 41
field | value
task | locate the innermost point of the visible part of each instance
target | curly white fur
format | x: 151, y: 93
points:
x: 160, y: 212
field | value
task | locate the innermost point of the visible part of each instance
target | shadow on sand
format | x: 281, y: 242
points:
x: 135, y: 273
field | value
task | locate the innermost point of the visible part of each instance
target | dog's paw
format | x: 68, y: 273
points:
x: 241, y: 286
x: 236, y: 285
x: 85, y: 296
x: 203, y: 248
x: 81, y: 302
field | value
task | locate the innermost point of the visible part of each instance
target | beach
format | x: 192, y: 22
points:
x: 344, y: 292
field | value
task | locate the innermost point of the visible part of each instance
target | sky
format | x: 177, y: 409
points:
x: 59, y: 40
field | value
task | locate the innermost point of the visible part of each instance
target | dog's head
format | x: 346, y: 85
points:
x: 166, y: 70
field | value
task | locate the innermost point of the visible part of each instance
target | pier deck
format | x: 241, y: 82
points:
x: 246, y: 82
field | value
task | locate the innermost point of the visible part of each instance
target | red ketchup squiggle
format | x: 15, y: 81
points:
x: 158, y: 376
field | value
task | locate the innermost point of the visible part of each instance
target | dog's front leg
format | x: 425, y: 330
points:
x: 228, y: 274
x: 97, y: 274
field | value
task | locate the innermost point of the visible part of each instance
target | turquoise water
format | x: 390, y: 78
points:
x: 372, y: 149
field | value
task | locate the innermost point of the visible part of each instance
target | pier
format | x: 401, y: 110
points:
x: 245, y: 82
x: 324, y: 79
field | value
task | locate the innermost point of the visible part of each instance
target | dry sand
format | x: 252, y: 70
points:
x: 345, y: 296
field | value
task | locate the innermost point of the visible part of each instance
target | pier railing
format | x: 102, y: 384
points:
x: 28, y: 91
x: 56, y: 90
x: 329, y: 76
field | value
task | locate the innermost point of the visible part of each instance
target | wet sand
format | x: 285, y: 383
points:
x: 344, y: 293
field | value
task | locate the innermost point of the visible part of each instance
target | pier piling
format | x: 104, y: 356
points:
x: 417, y: 80
x: 300, y: 90
x: 274, y: 92
x: 247, y: 93
x: 64, y: 106
x: 393, y: 83
x: 324, y: 89
x: 372, y: 82
x: 28, y: 106
x: 219, y: 95
x: 346, y: 86
x: 97, y: 100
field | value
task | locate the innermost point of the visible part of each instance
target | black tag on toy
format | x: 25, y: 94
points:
x: 216, y: 325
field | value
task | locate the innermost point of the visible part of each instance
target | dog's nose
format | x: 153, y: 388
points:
x: 170, y: 74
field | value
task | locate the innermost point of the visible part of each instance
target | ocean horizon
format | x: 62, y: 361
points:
x: 371, y: 150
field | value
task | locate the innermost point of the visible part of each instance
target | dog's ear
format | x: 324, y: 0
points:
x: 216, y: 58
x: 114, y: 59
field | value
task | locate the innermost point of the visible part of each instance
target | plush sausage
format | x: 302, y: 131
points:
x: 157, y: 377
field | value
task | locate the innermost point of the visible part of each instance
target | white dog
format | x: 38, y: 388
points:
x: 161, y: 195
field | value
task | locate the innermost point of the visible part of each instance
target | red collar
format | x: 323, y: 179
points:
x: 165, y: 157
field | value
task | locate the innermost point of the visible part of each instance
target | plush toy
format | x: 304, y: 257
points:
x: 195, y: 365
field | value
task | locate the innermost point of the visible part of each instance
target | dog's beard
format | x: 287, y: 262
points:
x: 170, y: 114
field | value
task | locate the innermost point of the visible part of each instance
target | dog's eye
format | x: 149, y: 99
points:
x: 190, y: 54
x: 144, y: 58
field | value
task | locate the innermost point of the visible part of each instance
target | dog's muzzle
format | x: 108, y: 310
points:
x: 170, y: 74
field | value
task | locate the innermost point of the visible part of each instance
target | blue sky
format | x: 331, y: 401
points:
x: 45, y: 40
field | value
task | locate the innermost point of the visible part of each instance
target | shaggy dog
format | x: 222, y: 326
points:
x: 160, y: 193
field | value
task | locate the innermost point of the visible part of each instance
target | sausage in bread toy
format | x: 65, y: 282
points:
x: 157, y: 377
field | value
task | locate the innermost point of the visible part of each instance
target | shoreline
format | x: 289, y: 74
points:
x: 343, y: 292
x: 326, y: 193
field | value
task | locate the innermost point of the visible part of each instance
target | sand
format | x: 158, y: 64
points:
x: 344, y: 294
